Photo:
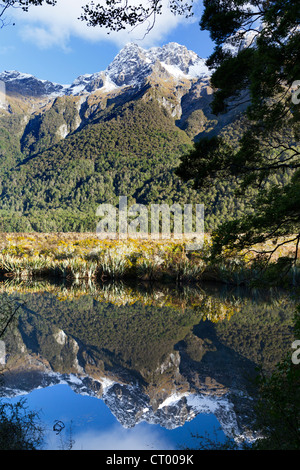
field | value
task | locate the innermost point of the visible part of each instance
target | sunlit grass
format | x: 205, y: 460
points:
x: 77, y: 256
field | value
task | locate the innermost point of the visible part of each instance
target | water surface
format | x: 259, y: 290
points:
x: 144, y: 366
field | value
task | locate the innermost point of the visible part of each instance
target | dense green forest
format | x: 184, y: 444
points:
x: 50, y: 183
x: 150, y: 333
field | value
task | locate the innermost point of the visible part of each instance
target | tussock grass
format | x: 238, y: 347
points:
x: 77, y: 256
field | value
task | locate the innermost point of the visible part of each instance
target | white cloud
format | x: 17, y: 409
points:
x: 116, y: 438
x: 47, y: 26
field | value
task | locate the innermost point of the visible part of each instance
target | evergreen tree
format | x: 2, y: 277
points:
x: 256, y: 59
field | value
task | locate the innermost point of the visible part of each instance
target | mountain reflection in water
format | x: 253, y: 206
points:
x: 152, y: 355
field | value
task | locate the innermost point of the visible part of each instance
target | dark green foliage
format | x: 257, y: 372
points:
x: 47, y: 129
x: 119, y: 335
x: 116, y: 154
x: 99, y: 326
x: 10, y: 151
x: 200, y: 170
x: 267, y: 151
x: 196, y: 123
x: 22, y: 4
x: 278, y: 213
x: 134, y: 149
x: 97, y: 164
x: 278, y: 409
x: 20, y: 429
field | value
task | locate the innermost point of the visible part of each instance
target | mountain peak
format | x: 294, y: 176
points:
x: 131, y: 67
x: 133, y: 63
x: 29, y: 85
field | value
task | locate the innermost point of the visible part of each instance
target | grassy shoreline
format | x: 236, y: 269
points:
x: 75, y: 256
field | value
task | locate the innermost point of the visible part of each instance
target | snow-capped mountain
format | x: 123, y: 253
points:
x: 167, y: 86
x: 130, y: 67
x: 133, y: 64
x: 130, y: 405
x: 178, y: 78
x: 180, y: 392
x: 28, y: 85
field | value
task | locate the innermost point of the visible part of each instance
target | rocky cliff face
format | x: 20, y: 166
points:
x: 178, y: 73
x: 24, y: 84
x: 131, y: 67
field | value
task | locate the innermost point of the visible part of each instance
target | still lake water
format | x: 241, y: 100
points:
x: 142, y: 367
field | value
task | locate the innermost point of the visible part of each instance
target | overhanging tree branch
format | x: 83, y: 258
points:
x: 117, y: 15
x: 24, y: 5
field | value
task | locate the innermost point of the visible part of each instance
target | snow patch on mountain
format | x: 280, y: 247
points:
x: 172, y: 400
x: 24, y: 83
x: 199, y: 69
x: 130, y: 67
x: 131, y: 405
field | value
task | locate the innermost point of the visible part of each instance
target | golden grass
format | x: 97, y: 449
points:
x: 87, y: 256
x: 84, y: 255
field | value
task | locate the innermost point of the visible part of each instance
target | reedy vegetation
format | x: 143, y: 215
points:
x: 84, y: 256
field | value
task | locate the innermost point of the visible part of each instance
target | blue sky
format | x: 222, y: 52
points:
x: 51, y: 43
x: 95, y: 427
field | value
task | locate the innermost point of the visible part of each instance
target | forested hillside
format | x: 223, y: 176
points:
x: 62, y: 154
x: 130, y: 150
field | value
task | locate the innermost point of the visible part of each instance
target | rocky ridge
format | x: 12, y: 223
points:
x: 174, y: 400
x: 178, y: 77
x: 129, y: 68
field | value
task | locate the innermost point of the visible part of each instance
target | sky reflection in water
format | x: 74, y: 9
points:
x: 177, y: 351
x: 94, y: 427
